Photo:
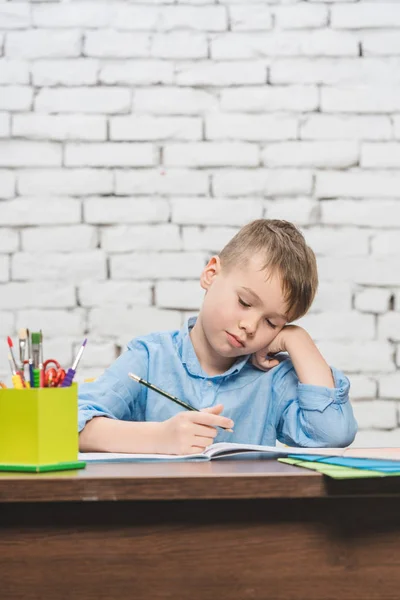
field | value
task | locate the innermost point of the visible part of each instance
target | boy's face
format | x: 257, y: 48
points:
x: 243, y: 309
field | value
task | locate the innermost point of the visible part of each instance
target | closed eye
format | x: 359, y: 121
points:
x: 271, y: 324
x: 243, y: 303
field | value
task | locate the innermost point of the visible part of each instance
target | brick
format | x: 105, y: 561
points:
x: 361, y: 99
x: 368, y: 213
x: 301, y: 16
x: 385, y: 243
x: 58, y: 322
x: 124, y: 238
x: 83, y: 100
x: 179, y: 45
x: 221, y: 73
x: 144, y: 72
x: 15, y: 16
x: 5, y: 125
x: 207, y: 18
x: 9, y: 240
x: 384, y: 155
x: 362, y: 387
x: 311, y: 154
x: 42, y: 43
x: 116, y: 44
x: 381, y: 43
x: 189, y: 211
x: 186, y: 295
x: 347, y: 71
x: 389, y: 386
x: 113, y: 293
x: 142, y: 128
x: 172, y: 181
x: 55, y: 127
x: 59, y: 239
x: 81, y: 71
x: 208, y: 154
x: 112, y: 210
x: 365, y: 15
x: 73, y: 267
x: 318, y: 43
x: 369, y: 357
x: 300, y: 210
x: 265, y: 99
x: 15, y: 97
x: 157, y: 265
x: 357, y: 184
x: 15, y: 153
x: 109, y: 154
x: 82, y: 14
x: 396, y: 122
x: 17, y: 295
x: 288, y: 182
x: 332, y: 296
x: 376, y: 414
x: 173, y: 101
x: 259, y: 17
x: 337, y: 325
x: 13, y: 71
x: 7, y: 184
x: 98, y: 355
x: 372, y: 300
x: 389, y: 326
x: 4, y: 267
x: 40, y: 211
x: 360, y: 270
x: 334, y: 242
x: 354, y: 127
x: 250, y: 127
x: 142, y: 321
x: 75, y: 182
x: 6, y: 323
x: 210, y: 239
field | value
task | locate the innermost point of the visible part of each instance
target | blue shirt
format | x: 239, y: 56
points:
x: 265, y: 406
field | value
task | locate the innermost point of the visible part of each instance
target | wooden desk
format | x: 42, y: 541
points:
x: 238, y: 529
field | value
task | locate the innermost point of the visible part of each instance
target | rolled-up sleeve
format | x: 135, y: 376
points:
x: 114, y: 394
x: 312, y: 415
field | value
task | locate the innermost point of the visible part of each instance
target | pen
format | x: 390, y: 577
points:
x: 67, y: 381
x: 169, y: 396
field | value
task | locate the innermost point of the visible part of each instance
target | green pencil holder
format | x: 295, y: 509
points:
x: 39, y: 429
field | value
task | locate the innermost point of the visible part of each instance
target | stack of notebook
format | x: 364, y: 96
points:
x: 349, y: 463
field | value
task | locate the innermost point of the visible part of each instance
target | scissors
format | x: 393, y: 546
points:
x: 54, y: 375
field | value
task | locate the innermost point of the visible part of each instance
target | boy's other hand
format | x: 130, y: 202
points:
x: 264, y: 358
x: 190, y: 432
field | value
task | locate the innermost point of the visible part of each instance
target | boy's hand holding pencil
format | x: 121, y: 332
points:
x: 191, y: 432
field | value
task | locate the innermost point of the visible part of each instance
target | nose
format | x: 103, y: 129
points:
x: 249, y: 326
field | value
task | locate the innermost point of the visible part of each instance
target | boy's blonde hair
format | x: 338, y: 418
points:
x: 285, y: 252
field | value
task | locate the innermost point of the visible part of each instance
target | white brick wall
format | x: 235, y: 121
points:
x: 136, y: 139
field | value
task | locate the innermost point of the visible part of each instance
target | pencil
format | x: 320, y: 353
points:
x: 166, y: 395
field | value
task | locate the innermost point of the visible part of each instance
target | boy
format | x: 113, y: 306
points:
x: 264, y: 278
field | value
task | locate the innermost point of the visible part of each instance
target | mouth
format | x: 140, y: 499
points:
x: 234, y: 341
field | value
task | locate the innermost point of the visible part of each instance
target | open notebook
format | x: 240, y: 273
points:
x: 222, y: 449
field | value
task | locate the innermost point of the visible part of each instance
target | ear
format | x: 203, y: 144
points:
x: 210, y: 272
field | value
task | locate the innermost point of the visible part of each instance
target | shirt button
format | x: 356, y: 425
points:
x: 209, y: 383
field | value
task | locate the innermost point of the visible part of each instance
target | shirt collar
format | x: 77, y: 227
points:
x: 190, y: 360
